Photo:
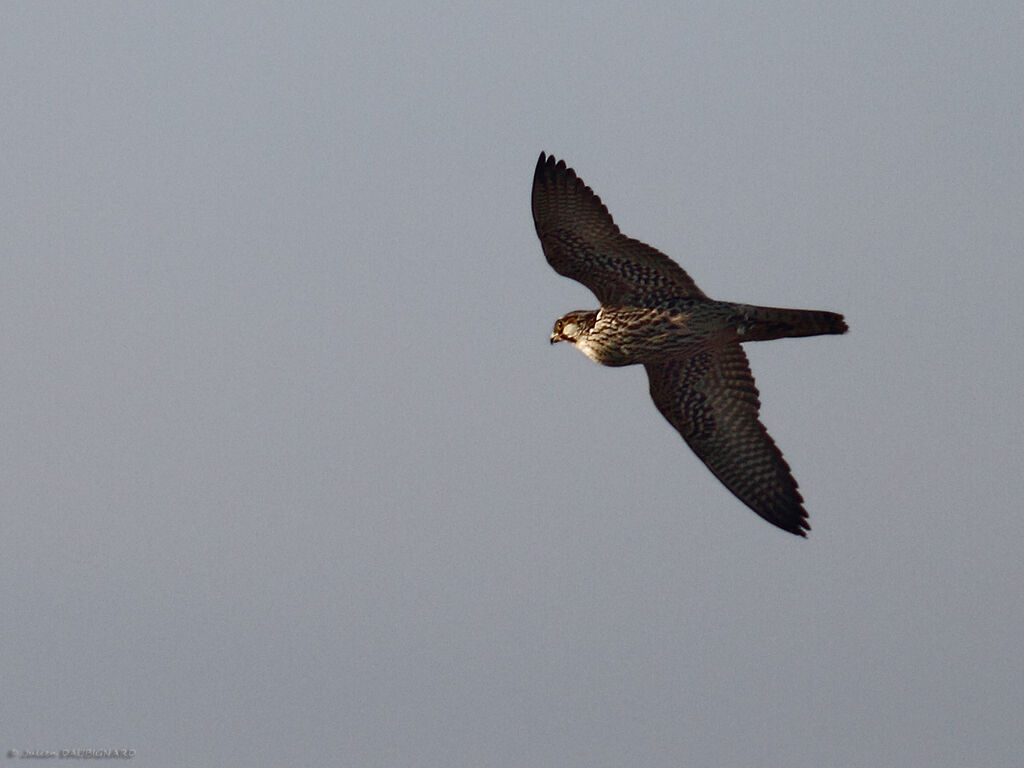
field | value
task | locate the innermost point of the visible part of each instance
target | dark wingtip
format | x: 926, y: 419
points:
x: 549, y: 169
x: 799, y: 527
x: 543, y: 163
x: 792, y: 518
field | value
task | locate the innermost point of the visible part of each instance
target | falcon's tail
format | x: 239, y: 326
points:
x: 764, y: 323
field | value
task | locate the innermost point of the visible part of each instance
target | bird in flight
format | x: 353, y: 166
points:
x: 652, y: 313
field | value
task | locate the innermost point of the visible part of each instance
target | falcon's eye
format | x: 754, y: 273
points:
x: 558, y: 326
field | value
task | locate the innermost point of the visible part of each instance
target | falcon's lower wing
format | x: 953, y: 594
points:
x: 710, y: 398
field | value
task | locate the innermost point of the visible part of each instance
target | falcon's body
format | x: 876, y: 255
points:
x: 653, y: 314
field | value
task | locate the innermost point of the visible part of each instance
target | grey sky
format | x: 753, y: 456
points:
x: 292, y: 475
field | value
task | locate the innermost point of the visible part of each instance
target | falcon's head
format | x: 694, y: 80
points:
x: 573, y: 326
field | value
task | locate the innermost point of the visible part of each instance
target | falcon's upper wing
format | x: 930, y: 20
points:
x: 581, y: 241
x: 710, y: 398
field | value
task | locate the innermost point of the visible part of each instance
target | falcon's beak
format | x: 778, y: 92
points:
x: 555, y: 338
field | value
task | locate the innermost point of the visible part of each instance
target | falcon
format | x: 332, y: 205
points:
x: 652, y: 314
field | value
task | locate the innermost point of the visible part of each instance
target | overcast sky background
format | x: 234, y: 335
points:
x: 291, y: 474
